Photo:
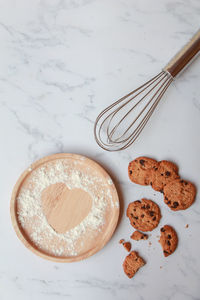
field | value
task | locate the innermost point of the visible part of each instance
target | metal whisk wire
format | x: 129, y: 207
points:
x: 113, y: 130
x: 123, y: 141
x: 153, y: 91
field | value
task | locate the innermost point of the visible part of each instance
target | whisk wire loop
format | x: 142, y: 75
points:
x: 110, y: 133
x: 105, y: 131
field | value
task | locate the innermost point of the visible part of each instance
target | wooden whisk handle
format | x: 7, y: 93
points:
x: 184, y: 56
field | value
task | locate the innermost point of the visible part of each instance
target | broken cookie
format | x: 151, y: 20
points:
x: 168, y: 240
x: 137, y: 235
x: 132, y: 263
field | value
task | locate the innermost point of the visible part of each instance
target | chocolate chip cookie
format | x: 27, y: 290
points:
x: 132, y: 263
x: 162, y: 174
x: 179, y: 194
x: 139, y: 170
x: 168, y: 240
x: 144, y: 215
x: 137, y: 235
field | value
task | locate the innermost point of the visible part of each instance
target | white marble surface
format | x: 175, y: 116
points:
x: 61, y: 62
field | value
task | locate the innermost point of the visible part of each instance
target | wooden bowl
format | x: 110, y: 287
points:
x: 65, y: 208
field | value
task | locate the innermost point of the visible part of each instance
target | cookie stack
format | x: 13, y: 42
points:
x: 144, y: 215
x: 163, y: 176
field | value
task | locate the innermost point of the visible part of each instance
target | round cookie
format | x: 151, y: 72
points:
x: 144, y: 215
x: 139, y: 170
x: 168, y: 240
x: 165, y: 172
x: 179, y: 194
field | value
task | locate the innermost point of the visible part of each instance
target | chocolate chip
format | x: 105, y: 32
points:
x: 168, y: 243
x: 130, y: 172
x: 143, y: 207
x: 154, y: 218
x: 155, y: 169
x: 136, y: 218
x: 150, y: 183
x: 162, y: 174
x: 133, y: 223
x: 131, y: 215
x: 186, y: 183
x: 169, y: 236
x: 161, y: 191
x: 166, y: 252
x: 151, y: 213
x: 162, y: 229
x: 148, y: 206
x: 175, y: 204
x: 142, y: 216
x: 134, y: 209
x: 142, y: 237
x: 167, y: 173
x: 169, y: 202
x: 166, y: 198
x: 142, y: 162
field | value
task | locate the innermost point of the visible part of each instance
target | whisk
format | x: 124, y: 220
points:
x: 118, y: 126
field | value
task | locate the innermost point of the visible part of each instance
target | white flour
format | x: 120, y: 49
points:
x: 30, y: 213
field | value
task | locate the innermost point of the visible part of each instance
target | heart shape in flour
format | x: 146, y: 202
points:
x: 64, y: 208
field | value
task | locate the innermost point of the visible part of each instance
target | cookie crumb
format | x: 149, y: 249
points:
x: 121, y: 241
x: 127, y: 246
x: 161, y: 267
x: 187, y: 225
x: 150, y: 243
